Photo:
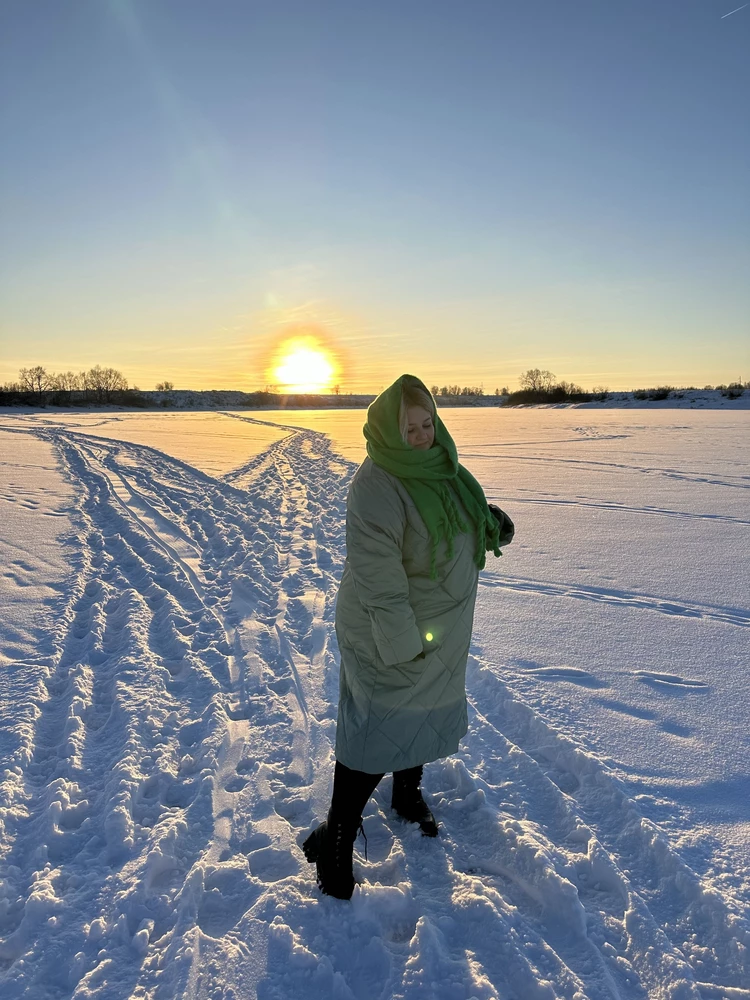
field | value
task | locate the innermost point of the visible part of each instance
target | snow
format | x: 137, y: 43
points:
x: 168, y: 677
x: 212, y: 445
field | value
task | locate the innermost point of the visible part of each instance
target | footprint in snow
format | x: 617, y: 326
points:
x: 672, y: 682
x: 235, y: 783
x: 253, y: 842
x: 299, y: 616
x: 565, y: 780
x: 676, y: 728
x: 292, y: 807
x: 573, y: 675
x: 269, y: 864
x: 180, y: 794
x: 227, y: 895
x: 281, y: 685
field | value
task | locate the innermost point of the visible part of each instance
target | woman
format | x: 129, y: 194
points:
x: 417, y: 530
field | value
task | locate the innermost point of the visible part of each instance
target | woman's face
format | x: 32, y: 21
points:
x: 421, y: 432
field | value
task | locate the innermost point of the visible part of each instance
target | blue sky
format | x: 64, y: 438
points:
x: 463, y: 190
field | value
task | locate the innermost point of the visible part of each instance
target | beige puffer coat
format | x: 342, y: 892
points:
x: 396, y: 711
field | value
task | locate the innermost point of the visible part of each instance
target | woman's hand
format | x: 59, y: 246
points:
x: 507, y: 528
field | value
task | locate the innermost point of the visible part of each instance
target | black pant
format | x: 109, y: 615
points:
x: 352, y: 789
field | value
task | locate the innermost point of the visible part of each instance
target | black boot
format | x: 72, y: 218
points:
x: 331, y: 845
x: 408, y: 802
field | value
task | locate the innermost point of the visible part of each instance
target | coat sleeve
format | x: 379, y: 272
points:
x: 375, y: 524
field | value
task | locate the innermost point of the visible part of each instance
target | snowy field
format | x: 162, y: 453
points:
x: 168, y: 681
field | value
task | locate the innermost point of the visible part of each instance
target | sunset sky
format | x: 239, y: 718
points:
x: 462, y: 189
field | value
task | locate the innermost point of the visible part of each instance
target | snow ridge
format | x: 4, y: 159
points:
x: 181, y: 748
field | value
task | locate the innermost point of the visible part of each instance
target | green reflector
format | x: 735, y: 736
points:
x: 428, y: 636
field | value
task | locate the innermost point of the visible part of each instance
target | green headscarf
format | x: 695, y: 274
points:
x: 426, y: 475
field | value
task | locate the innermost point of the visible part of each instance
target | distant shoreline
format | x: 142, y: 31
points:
x: 186, y: 400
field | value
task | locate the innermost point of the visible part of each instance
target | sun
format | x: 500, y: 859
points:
x: 303, y: 364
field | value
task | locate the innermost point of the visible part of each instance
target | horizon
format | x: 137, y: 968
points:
x: 340, y: 389
x: 465, y: 193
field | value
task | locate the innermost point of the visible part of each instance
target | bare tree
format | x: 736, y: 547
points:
x: 165, y: 386
x: 36, y: 380
x: 104, y: 381
x: 67, y: 382
x: 95, y: 382
x: 84, y: 384
x: 114, y: 381
x: 537, y: 380
x: 569, y: 388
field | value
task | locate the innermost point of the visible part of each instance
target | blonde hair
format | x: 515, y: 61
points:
x: 413, y: 395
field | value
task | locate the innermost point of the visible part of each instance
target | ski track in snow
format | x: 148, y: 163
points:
x: 610, y: 505
x: 619, y: 598
x: 731, y: 482
x: 181, y: 749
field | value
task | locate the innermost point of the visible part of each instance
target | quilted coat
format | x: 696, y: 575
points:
x: 397, y: 710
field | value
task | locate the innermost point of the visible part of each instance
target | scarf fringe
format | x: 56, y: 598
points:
x: 452, y: 525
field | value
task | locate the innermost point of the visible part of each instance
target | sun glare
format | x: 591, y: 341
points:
x: 302, y: 364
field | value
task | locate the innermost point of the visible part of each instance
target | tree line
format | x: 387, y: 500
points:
x: 541, y: 386
x: 96, y: 385
x: 458, y: 390
x: 38, y: 386
x: 537, y: 386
